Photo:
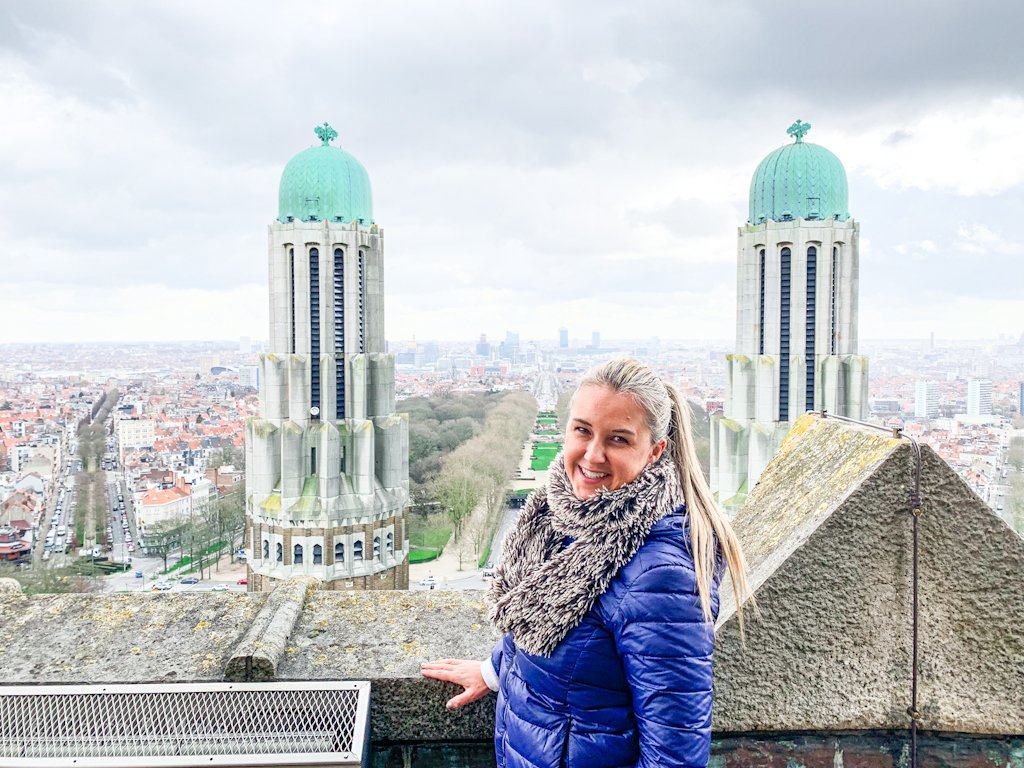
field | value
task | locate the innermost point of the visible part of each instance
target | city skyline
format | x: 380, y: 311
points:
x: 577, y: 168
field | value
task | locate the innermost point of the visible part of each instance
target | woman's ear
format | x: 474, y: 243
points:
x: 656, y: 451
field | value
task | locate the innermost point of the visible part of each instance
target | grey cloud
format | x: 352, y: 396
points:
x: 458, y: 111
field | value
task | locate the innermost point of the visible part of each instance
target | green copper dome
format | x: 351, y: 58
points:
x: 325, y: 182
x: 798, y: 181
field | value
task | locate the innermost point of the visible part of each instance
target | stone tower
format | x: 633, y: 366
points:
x: 796, y: 313
x: 328, y: 458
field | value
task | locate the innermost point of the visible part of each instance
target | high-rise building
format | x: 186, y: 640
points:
x: 563, y: 338
x: 979, y: 397
x: 926, y: 400
x: 796, y: 313
x: 509, y: 348
x: 595, y: 339
x: 1020, y: 399
x: 483, y: 349
x: 327, y: 459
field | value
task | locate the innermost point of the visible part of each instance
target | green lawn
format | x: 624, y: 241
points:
x: 427, y: 538
x: 543, y: 454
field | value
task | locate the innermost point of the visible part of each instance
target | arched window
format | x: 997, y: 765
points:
x: 390, y: 543
x: 314, y: 328
x: 835, y: 279
x: 784, y: 277
x: 291, y: 288
x: 810, y: 328
x: 297, y: 554
x: 318, y: 554
x: 339, y: 553
x: 357, y: 550
x: 376, y: 547
x: 266, y: 549
x: 362, y: 303
x: 339, y: 333
x: 280, y: 552
x: 760, y: 322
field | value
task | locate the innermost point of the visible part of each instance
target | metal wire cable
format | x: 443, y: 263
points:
x: 916, y: 511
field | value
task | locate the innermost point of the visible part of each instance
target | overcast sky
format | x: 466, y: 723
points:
x: 534, y: 164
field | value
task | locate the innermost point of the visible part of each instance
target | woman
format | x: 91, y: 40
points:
x: 608, y: 590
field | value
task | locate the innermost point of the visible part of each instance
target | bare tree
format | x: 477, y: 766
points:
x: 459, y: 490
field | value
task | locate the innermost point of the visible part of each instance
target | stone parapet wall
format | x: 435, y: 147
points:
x: 828, y: 536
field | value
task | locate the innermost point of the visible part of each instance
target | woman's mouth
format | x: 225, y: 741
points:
x: 593, y: 475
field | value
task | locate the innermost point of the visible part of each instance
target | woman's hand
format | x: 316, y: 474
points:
x: 461, y: 672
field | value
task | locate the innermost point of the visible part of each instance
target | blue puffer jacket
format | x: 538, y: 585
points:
x: 630, y: 686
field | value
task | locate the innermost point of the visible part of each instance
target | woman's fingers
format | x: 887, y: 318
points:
x: 438, y: 673
x: 461, y: 672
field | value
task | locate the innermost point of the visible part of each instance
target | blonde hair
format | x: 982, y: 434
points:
x: 668, y: 418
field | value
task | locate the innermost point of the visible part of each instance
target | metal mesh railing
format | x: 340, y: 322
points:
x: 246, y: 724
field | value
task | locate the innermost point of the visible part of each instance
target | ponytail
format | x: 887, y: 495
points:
x: 710, y: 531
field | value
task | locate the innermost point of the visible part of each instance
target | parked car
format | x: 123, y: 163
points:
x: 162, y: 586
x: 242, y: 580
x: 428, y: 582
x: 190, y: 580
x: 220, y: 588
x: 488, y: 571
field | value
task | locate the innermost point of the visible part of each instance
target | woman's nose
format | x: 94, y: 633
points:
x: 594, y: 453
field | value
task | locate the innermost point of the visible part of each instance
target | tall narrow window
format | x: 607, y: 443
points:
x: 297, y: 555
x: 362, y: 304
x: 291, y: 289
x: 810, y: 328
x: 390, y: 543
x: 835, y: 284
x: 266, y: 549
x: 280, y: 553
x: 312, y: 460
x: 784, y: 265
x: 318, y: 555
x: 339, y: 333
x: 314, y: 328
x: 376, y: 547
x: 357, y: 550
x: 339, y: 553
x: 760, y: 321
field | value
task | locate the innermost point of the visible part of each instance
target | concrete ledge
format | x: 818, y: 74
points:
x: 128, y: 638
x: 384, y: 637
x: 255, y: 659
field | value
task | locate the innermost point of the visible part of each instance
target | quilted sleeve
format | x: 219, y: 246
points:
x: 490, y: 667
x: 666, y: 648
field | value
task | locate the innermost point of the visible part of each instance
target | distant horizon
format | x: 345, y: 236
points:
x: 606, y: 342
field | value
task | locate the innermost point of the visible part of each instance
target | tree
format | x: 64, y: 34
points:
x: 458, y: 489
x: 226, y: 518
x: 164, y: 538
x: 1015, y: 453
x: 227, y: 455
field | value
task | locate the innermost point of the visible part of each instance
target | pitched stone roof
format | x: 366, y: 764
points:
x: 828, y: 535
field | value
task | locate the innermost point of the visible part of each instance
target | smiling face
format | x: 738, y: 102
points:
x: 608, y: 442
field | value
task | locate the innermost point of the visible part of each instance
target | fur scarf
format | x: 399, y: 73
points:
x: 543, y: 587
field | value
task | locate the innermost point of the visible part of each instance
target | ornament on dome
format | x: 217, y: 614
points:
x: 326, y: 134
x: 797, y: 130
